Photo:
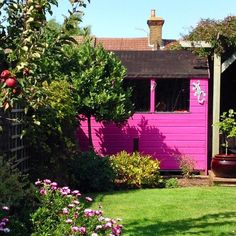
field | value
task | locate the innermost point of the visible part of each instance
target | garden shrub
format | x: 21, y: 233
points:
x: 186, y: 165
x: 91, y: 172
x: 135, y: 170
x: 65, y: 212
x: 172, y: 183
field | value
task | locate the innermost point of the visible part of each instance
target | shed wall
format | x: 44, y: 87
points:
x: 165, y: 136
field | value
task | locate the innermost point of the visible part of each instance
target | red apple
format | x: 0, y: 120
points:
x: 5, y: 74
x: 11, y: 82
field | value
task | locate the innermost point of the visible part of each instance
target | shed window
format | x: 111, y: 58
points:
x: 172, y: 95
x: 140, y: 93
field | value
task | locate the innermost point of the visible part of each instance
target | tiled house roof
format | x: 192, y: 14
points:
x: 124, y: 44
x: 163, y: 64
x: 131, y: 44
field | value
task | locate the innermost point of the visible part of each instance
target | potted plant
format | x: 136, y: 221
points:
x: 224, y: 165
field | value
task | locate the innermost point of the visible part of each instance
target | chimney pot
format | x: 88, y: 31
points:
x: 153, y: 13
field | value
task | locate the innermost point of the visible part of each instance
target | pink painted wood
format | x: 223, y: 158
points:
x: 165, y: 136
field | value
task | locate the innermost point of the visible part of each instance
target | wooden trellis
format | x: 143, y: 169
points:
x: 12, y: 145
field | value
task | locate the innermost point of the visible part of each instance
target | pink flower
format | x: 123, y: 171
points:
x: 69, y: 221
x: 65, y: 191
x: 75, y: 228
x: 76, y: 202
x: 88, y: 199
x: 43, y: 191
x: 71, y: 205
x: 38, y: 182
x: 116, y: 230
x: 53, y: 188
x: 53, y: 184
x: 75, y: 192
x: 47, y: 181
x: 6, y: 220
x: 5, y: 208
x: 82, y: 230
x: 98, y: 227
x: 6, y: 230
x: 108, y: 225
x: 98, y: 213
x: 65, y: 211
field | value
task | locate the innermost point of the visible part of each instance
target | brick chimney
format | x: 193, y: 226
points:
x: 155, y: 26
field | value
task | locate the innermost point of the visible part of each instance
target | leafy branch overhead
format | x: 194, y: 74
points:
x: 220, y: 33
x: 25, y: 41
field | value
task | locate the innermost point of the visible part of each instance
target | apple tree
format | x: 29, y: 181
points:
x: 31, y: 75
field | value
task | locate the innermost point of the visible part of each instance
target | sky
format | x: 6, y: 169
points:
x: 128, y: 18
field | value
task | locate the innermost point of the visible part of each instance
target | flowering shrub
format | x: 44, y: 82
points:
x: 4, y: 220
x: 66, y: 212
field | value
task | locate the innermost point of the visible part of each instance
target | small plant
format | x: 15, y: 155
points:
x: 186, y: 165
x: 4, y: 220
x: 227, y: 127
x: 172, y: 183
x: 135, y: 170
x: 66, y: 212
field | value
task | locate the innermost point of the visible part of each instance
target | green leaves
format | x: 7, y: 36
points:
x: 135, y: 170
x: 221, y: 34
x: 227, y: 126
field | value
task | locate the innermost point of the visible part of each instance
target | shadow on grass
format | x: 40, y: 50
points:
x: 209, y: 224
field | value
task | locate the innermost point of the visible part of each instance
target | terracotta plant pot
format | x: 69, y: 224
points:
x: 224, y: 166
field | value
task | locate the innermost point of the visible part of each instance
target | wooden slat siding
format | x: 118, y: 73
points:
x: 165, y: 136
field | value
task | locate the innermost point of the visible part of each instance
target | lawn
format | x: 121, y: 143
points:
x: 180, y: 211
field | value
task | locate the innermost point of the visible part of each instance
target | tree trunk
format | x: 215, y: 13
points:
x: 90, y: 133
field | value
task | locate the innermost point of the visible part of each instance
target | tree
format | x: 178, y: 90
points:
x: 32, y: 53
x: 220, y: 33
x: 25, y: 39
x: 98, y: 77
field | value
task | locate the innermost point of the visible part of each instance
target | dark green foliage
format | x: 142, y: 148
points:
x: 91, y: 172
x: 135, y: 170
x: 51, y: 133
x: 18, y: 194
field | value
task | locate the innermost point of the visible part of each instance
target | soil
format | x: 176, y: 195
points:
x: 197, y: 181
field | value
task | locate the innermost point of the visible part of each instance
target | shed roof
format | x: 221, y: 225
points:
x: 163, y: 64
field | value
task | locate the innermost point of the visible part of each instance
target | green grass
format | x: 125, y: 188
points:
x: 181, y: 211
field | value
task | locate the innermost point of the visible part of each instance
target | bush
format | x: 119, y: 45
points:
x: 16, y: 193
x: 172, y: 183
x: 66, y: 212
x: 186, y: 165
x: 91, y: 172
x: 135, y: 170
